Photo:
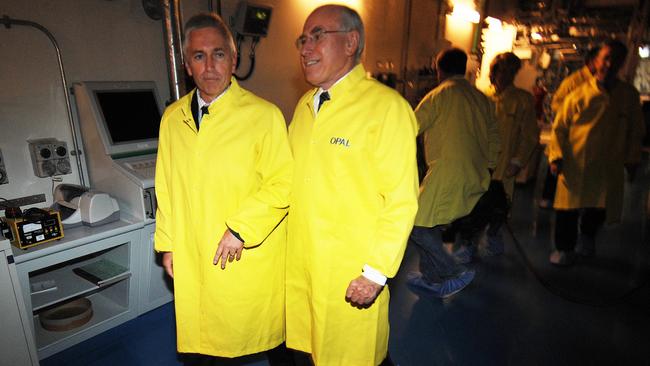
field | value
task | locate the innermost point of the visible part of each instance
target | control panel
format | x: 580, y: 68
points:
x: 49, y: 157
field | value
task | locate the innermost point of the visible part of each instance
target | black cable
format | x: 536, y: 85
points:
x: 566, y: 294
x: 251, y: 56
x: 211, y: 7
x: 238, y: 41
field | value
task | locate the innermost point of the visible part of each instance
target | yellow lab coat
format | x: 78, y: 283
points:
x: 515, y: 115
x: 595, y: 133
x: 569, y: 84
x: 461, y: 142
x: 237, y: 172
x: 353, y: 201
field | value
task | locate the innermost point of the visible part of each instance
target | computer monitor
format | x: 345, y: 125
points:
x: 127, y: 114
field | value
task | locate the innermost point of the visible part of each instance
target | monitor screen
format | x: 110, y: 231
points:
x: 126, y: 115
x: 130, y: 115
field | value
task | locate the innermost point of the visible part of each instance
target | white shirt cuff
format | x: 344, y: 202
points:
x: 374, y: 275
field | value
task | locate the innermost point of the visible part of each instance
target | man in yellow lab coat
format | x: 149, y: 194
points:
x: 596, y: 133
x: 574, y: 80
x: 515, y: 115
x: 461, y: 142
x: 569, y: 84
x: 223, y: 178
x: 353, y: 200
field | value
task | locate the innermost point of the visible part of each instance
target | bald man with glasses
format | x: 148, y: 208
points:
x: 354, y: 197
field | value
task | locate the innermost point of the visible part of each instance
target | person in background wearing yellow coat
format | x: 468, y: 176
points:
x: 223, y: 178
x: 353, y: 199
x: 596, y: 133
x: 574, y: 80
x: 461, y: 143
x: 569, y: 84
x: 515, y: 115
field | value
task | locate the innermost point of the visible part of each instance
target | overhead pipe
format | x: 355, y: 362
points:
x: 211, y: 8
x: 406, y: 39
x: 174, y: 55
x: 8, y: 22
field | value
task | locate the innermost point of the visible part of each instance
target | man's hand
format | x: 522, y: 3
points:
x: 230, y: 248
x: 168, y: 263
x: 362, y: 291
x: 512, y: 170
x: 556, y: 167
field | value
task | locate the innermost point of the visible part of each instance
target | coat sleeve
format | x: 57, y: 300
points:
x: 566, y: 86
x: 559, y: 144
x: 261, y: 212
x: 395, y: 162
x: 529, y: 136
x: 635, y: 131
x: 494, y: 138
x: 163, y: 241
x: 426, y: 113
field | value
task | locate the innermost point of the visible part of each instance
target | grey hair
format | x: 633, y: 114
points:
x: 208, y: 20
x: 350, y: 21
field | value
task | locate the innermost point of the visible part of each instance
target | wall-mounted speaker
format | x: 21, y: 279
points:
x: 49, y: 157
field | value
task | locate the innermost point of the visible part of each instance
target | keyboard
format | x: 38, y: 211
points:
x: 144, y: 168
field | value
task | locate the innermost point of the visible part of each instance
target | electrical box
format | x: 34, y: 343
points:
x: 49, y: 157
x: 252, y: 19
x: 3, y: 171
x: 34, y: 228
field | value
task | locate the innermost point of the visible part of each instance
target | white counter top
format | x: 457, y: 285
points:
x: 75, y: 237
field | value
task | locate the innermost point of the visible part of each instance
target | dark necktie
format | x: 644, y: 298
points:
x: 204, y: 111
x: 324, y: 97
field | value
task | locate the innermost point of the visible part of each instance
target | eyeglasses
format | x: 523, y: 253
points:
x: 316, y: 36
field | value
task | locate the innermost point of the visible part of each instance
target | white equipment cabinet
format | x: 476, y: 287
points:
x: 155, y: 285
x: 120, y: 149
x: 112, y: 304
x: 16, y: 340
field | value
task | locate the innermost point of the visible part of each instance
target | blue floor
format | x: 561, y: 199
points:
x: 520, y: 310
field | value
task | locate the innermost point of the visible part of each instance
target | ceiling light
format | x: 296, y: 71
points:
x: 466, y: 13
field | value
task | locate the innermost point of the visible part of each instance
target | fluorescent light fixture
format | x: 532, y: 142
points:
x: 644, y: 51
x: 524, y: 53
x: 466, y: 13
x: 493, y: 22
x: 536, y: 36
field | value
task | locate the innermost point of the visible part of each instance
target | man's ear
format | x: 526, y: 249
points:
x: 234, y: 63
x: 351, y: 43
x: 187, y: 68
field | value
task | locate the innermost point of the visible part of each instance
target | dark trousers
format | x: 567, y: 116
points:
x: 566, y: 226
x: 492, y: 208
x: 304, y: 359
x: 278, y: 356
x: 549, y: 187
x: 436, y: 265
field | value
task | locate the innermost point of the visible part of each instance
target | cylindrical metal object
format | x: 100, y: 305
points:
x: 171, y: 28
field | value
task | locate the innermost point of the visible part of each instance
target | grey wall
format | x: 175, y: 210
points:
x: 115, y: 40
